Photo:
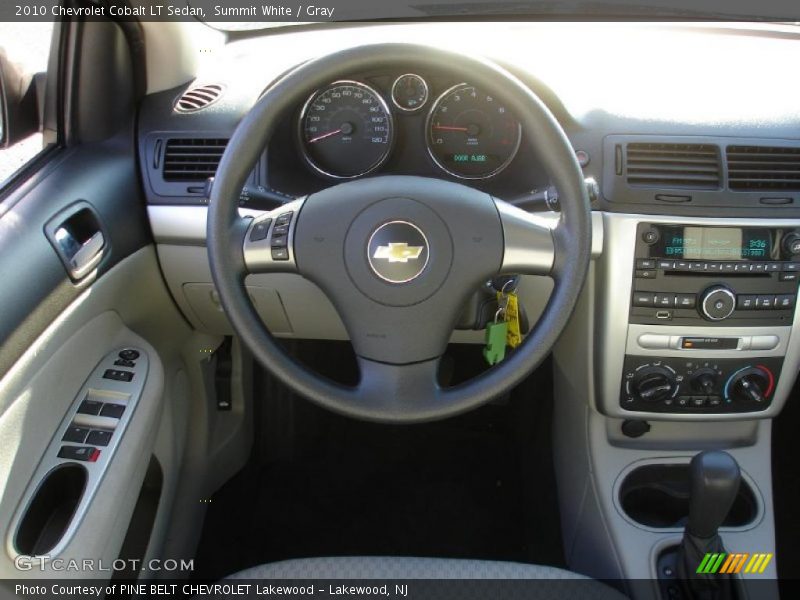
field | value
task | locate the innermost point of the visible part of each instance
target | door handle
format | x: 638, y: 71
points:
x: 77, y: 236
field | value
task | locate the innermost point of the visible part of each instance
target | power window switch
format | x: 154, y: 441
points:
x: 75, y: 434
x: 82, y: 453
x: 118, y: 375
x: 112, y: 410
x: 121, y: 362
x: 99, y: 437
x: 90, y: 407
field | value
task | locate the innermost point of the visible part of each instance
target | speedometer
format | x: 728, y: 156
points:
x: 471, y: 134
x: 345, y: 130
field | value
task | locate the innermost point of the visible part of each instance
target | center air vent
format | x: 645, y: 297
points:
x: 192, y: 159
x: 685, y: 166
x: 198, y: 98
x: 763, y: 168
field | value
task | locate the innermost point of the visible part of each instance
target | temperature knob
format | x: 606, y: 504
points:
x: 653, y: 383
x: 717, y: 303
x: 751, y: 384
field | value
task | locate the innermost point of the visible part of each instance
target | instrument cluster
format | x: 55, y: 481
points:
x: 353, y: 127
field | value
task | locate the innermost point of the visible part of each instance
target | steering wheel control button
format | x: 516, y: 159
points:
x: 283, y: 219
x: 114, y: 411
x: 718, y: 303
x: 260, y: 230
x: 280, y: 254
x: 118, y: 375
x: 76, y: 435
x: 398, y: 252
x: 82, y: 453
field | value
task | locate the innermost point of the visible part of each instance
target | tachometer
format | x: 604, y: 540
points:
x: 471, y: 134
x: 346, y: 130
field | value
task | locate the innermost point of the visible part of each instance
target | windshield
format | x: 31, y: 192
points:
x: 243, y: 15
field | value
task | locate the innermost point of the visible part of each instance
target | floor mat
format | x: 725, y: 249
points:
x: 476, y: 486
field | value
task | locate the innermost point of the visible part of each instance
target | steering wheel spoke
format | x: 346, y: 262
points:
x: 529, y: 242
x: 268, y: 245
x: 396, y: 389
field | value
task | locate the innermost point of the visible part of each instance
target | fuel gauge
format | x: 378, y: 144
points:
x: 409, y: 92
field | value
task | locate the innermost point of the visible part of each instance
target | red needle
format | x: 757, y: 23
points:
x: 448, y: 128
x: 325, y: 135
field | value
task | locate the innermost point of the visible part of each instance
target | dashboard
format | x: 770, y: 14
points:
x: 697, y: 216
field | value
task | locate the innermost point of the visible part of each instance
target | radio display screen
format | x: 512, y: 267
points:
x: 715, y: 243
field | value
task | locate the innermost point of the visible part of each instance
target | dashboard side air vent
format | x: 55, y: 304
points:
x: 192, y: 159
x: 198, y: 98
x: 662, y: 165
x: 763, y: 168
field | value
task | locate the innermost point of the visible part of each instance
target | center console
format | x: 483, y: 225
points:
x: 698, y: 316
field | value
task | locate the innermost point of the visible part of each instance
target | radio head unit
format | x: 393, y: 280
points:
x: 690, y: 274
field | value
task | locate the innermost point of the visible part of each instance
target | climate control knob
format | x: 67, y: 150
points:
x: 751, y: 384
x: 653, y: 383
x: 717, y: 303
x: 704, y: 381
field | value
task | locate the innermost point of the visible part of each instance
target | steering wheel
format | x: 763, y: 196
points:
x: 399, y: 314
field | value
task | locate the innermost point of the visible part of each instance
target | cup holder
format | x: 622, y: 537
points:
x: 51, y: 510
x: 658, y: 496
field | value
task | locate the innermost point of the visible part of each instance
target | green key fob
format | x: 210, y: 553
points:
x: 495, y: 349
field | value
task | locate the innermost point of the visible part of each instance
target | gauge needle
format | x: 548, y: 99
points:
x: 325, y: 135
x: 448, y: 128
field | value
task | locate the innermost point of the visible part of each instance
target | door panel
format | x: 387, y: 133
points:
x: 54, y: 331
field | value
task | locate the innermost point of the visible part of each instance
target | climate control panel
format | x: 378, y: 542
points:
x: 693, y: 385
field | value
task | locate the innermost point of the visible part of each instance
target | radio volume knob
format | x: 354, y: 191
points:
x: 717, y: 303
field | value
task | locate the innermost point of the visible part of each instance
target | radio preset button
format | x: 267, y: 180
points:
x: 666, y: 265
x: 783, y: 301
x: 714, y: 267
x: 727, y: 267
x: 742, y: 267
x: 772, y: 266
x: 791, y: 266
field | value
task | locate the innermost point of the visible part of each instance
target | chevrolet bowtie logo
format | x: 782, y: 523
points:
x: 399, y: 252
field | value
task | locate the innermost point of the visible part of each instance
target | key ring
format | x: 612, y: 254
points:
x: 497, y: 314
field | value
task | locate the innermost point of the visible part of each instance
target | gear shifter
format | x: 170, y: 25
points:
x: 715, y: 479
